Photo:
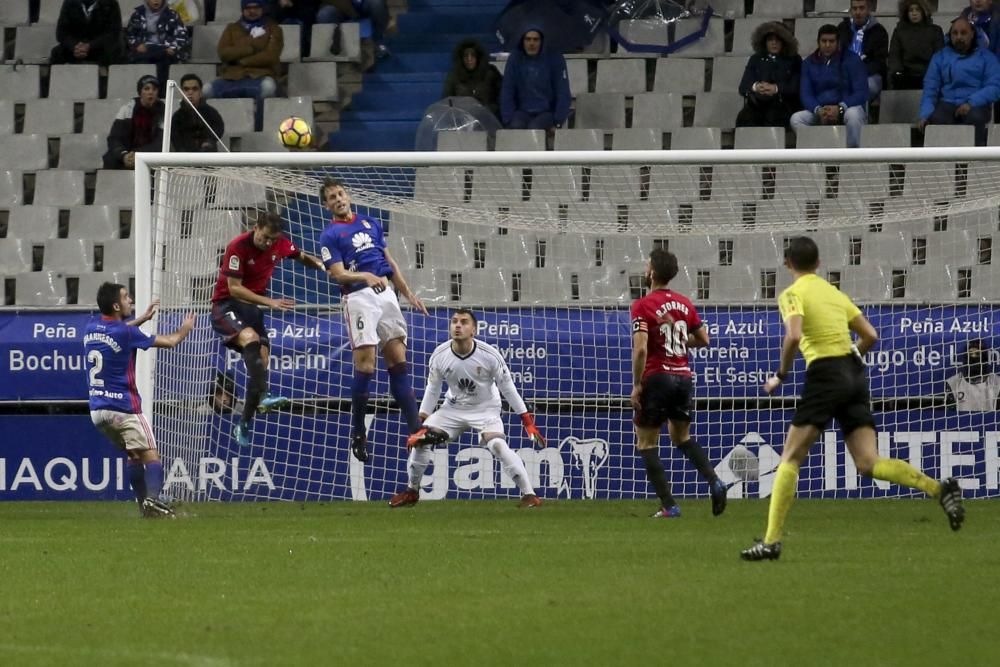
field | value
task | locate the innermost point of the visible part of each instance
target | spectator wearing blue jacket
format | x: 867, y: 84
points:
x: 986, y: 19
x: 535, y: 91
x: 962, y: 82
x: 833, y: 88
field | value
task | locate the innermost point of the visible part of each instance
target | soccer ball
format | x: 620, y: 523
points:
x: 295, y: 133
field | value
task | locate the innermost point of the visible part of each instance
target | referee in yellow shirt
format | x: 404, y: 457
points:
x: 819, y: 319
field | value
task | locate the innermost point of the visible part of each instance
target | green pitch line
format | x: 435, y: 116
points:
x: 482, y: 583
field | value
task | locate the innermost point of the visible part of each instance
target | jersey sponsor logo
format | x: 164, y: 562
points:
x: 234, y: 263
x: 366, y: 225
x: 466, y: 385
x: 362, y: 241
x: 324, y: 253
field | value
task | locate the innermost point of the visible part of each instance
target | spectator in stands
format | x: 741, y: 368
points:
x: 88, y: 31
x: 863, y: 35
x: 770, y: 83
x: 915, y: 39
x: 962, y: 82
x: 188, y: 131
x: 250, y: 51
x: 472, y: 75
x: 137, y: 127
x: 986, y: 18
x: 296, y: 12
x: 974, y: 387
x: 156, y: 34
x: 833, y: 88
x: 535, y: 92
x: 376, y: 11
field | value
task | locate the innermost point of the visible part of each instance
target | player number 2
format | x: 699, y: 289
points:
x: 96, y: 360
x: 675, y: 338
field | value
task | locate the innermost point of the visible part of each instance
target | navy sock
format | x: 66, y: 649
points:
x: 154, y: 479
x: 696, y: 455
x: 256, y: 379
x: 657, y: 476
x: 137, y: 479
x: 359, y: 401
x: 402, y: 391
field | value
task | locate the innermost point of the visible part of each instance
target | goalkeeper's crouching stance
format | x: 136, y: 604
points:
x: 476, y: 375
x: 819, y: 320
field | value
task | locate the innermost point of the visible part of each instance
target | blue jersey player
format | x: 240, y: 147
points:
x: 110, y: 343
x: 353, y: 251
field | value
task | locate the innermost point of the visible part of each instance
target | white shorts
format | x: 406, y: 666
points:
x: 455, y: 422
x: 373, y: 319
x: 126, y: 431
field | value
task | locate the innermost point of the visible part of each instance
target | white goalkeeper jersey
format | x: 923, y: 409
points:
x: 475, y: 381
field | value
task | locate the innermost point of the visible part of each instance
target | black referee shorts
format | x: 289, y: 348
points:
x: 665, y: 396
x: 835, y: 388
x: 231, y: 316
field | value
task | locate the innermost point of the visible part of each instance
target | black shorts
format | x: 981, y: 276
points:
x: 665, y: 396
x: 835, y: 388
x: 231, y: 316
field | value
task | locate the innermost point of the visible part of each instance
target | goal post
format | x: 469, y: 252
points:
x: 549, y: 249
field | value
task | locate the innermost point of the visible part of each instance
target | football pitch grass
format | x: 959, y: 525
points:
x: 881, y: 582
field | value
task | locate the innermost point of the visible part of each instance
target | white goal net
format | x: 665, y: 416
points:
x: 549, y: 250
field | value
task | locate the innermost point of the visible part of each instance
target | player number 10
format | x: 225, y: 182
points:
x: 675, y: 336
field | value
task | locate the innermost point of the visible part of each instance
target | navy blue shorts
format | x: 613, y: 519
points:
x: 232, y: 316
x: 665, y: 396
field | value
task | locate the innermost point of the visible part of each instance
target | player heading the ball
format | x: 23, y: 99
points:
x: 110, y: 343
x: 240, y: 290
x: 664, y: 325
x: 819, y: 320
x: 476, y: 375
x: 354, y: 253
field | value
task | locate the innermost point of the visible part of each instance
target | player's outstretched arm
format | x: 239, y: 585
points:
x: 173, y: 339
x: 789, y: 346
x: 239, y: 291
x: 342, y: 276
x: 311, y: 261
x: 146, y: 316
x: 867, y: 336
x: 404, y: 288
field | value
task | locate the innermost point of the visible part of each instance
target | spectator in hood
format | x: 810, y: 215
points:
x: 770, y: 84
x: 986, y: 19
x: 472, y: 75
x: 156, y: 34
x: 914, y: 41
x: 535, y: 92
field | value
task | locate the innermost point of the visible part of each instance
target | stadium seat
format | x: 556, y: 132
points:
x: 99, y: 114
x: 711, y: 44
x: 834, y: 9
x: 205, y: 41
x: 717, y: 109
x: 462, y: 141
x: 946, y: 136
x: 191, y: 256
x: 277, y: 109
x: 652, y: 216
x: 20, y: 83
x: 636, y: 139
x: 6, y: 117
x: 800, y: 182
x: 615, y: 183
x: 866, y: 284
x: 781, y: 211
x: 947, y: 9
x: 695, y: 250
x: 569, y: 251
x: 708, y: 213
x: 11, y: 187
x: 729, y: 9
x: 291, y: 51
x: 622, y: 75
x: 934, y: 283
x: 727, y: 72
x: 681, y: 183
x: 94, y: 222
x: 350, y: 42
x: 426, y: 282
x: 886, y: 248
x: 59, y: 187
x: 696, y: 138
x: 29, y: 152
x: 985, y: 279
x: 806, y: 33
x: 520, y: 140
x: 659, y: 111
x: 40, y: 288
x: 15, y: 256
x: 736, y: 182
x: 821, y: 136
x: 122, y: 79
x: 115, y: 188
x: 237, y: 114
x: 232, y: 193
x: 86, y: 292
x: 33, y: 43
x: 81, y: 151
x: 644, y: 32
x: 930, y: 181
x: 833, y: 247
x: 578, y: 140
x: 899, y: 106
x: 315, y: 80
x: 48, y: 117
x: 119, y: 255
x: 679, y: 75
x: 264, y: 142
x: 733, y: 284
x: 600, y: 110
x: 48, y: 13
x: 453, y: 252
x: 760, y: 249
x: 227, y: 11
x: 73, y: 82
x: 501, y: 185
x: 556, y: 184
x: 742, y: 32
x: 14, y: 13
x: 221, y: 226
x: 440, y: 185
x: 869, y: 180
x: 955, y: 247
x: 541, y: 286
x: 71, y: 256
x: 486, y: 287
x: 579, y: 77
x: 886, y: 135
x: 759, y: 138
x: 778, y: 9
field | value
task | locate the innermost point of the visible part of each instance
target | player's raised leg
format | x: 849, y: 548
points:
x: 400, y: 386
x: 364, y: 370
x: 680, y: 435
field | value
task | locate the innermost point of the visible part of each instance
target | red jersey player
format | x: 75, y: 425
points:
x: 245, y: 272
x: 664, y: 325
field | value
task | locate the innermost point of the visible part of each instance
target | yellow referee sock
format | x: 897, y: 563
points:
x: 782, y: 495
x: 902, y: 473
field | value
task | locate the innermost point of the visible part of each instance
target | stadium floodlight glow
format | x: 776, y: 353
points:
x: 549, y: 249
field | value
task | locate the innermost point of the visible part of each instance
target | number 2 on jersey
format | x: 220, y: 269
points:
x: 96, y: 360
x: 675, y: 336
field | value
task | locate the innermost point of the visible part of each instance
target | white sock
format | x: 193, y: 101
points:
x: 512, y: 465
x: 416, y: 464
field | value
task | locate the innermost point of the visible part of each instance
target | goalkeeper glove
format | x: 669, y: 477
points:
x: 529, y: 426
